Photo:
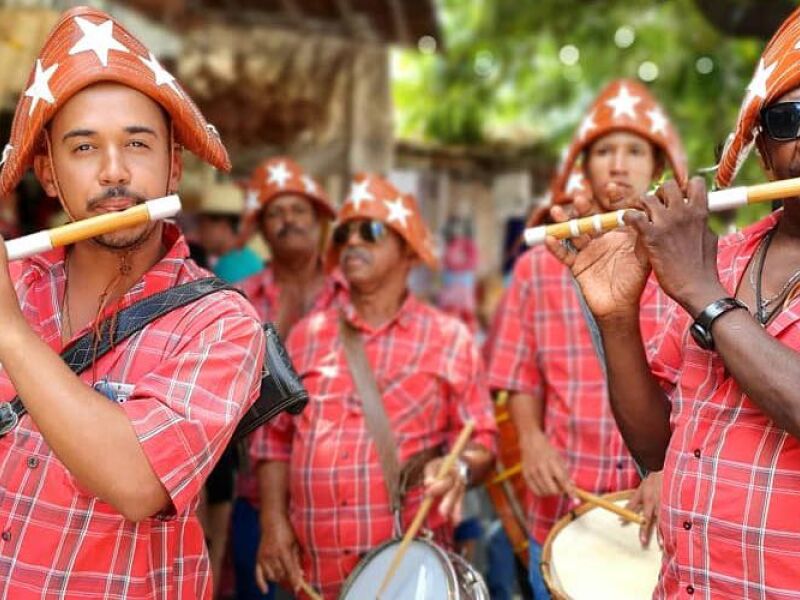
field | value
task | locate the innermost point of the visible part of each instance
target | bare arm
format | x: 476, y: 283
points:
x: 91, y: 435
x: 278, y: 551
x: 542, y: 466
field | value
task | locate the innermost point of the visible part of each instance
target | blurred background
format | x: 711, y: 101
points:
x: 466, y: 103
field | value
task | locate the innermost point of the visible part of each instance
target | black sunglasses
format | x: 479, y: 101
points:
x: 781, y: 121
x: 370, y: 231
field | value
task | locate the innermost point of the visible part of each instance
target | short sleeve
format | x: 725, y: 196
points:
x: 469, y: 394
x: 512, y: 350
x: 184, y: 412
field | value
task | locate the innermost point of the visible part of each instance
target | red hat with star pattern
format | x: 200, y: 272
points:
x: 623, y: 105
x: 85, y: 47
x: 281, y: 175
x: 372, y: 197
x: 777, y: 72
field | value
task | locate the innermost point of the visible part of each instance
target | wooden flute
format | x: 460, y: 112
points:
x: 717, y: 201
x: 77, y: 231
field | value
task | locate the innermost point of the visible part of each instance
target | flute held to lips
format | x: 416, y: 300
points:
x: 717, y: 201
x: 77, y: 231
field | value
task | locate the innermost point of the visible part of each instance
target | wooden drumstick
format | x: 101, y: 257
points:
x: 77, y: 231
x: 717, y: 201
x: 310, y: 591
x: 626, y: 514
x: 425, y: 507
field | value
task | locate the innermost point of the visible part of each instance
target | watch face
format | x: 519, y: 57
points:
x: 702, y: 336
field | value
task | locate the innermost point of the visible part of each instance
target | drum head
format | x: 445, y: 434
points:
x: 424, y: 574
x: 591, y: 554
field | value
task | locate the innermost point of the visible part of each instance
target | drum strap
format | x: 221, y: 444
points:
x: 377, y: 420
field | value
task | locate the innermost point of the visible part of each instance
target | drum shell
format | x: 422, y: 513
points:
x: 508, y: 493
x: 464, y: 582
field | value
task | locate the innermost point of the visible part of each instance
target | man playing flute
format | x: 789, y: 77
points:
x: 544, y: 347
x: 726, y: 428
x: 100, y: 476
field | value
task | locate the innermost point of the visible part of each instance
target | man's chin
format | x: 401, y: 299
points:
x: 124, y: 240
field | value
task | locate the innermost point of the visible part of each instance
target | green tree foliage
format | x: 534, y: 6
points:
x: 503, y: 75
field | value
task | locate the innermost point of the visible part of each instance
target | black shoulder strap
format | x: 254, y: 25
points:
x: 86, y: 350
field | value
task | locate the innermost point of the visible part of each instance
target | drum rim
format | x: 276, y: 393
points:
x: 547, y: 549
x: 453, y: 592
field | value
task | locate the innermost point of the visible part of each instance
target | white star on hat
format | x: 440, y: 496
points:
x: 587, y: 125
x: 758, y: 86
x: 309, y: 184
x: 6, y: 153
x: 574, y: 183
x: 359, y: 193
x: 251, y: 200
x: 40, y: 90
x: 658, y: 122
x: 162, y: 76
x: 278, y: 174
x: 397, y: 211
x: 98, y: 39
x: 624, y: 103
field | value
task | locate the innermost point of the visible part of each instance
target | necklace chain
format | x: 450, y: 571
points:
x: 756, y: 274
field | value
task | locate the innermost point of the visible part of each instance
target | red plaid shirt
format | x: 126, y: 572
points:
x: 429, y: 369
x: 730, y: 516
x: 263, y: 292
x: 541, y: 345
x: 190, y: 376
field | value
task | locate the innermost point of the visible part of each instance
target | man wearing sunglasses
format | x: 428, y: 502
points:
x: 544, y: 349
x: 718, y: 406
x: 429, y: 381
x: 293, y: 214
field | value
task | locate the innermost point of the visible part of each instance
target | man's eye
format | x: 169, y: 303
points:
x: 138, y: 144
x: 83, y: 148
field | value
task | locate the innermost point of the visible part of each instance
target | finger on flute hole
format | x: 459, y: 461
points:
x: 558, y: 214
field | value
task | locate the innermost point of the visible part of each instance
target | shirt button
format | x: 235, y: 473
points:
x: 697, y: 453
x: 620, y: 465
x: 687, y: 525
x: 689, y: 589
x: 33, y: 462
x: 345, y: 455
x: 6, y: 536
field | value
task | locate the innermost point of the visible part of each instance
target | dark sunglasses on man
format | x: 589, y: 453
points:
x: 781, y: 121
x: 369, y: 230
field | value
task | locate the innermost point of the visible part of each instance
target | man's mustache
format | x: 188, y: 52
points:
x: 115, y: 192
x: 356, y: 252
x: 289, y: 228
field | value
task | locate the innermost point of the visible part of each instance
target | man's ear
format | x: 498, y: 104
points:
x: 176, y: 171
x: 43, y: 168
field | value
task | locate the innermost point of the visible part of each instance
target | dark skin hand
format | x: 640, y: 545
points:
x: 672, y: 236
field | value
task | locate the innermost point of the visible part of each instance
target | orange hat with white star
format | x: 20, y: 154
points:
x: 776, y: 74
x: 623, y: 105
x: 281, y: 175
x: 88, y: 46
x: 372, y: 197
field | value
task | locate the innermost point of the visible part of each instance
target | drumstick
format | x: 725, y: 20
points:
x: 626, y: 514
x: 42, y: 241
x: 425, y: 507
x: 717, y: 201
x: 310, y: 591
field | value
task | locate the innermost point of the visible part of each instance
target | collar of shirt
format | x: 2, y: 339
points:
x: 164, y: 274
x: 403, y: 317
x: 735, y: 253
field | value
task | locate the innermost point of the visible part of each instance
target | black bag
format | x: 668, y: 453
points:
x: 281, y: 388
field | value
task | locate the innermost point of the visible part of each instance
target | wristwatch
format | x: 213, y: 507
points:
x: 464, y: 471
x: 701, y: 328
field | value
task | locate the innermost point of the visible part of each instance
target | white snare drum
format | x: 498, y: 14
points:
x: 589, y: 553
x: 426, y: 573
